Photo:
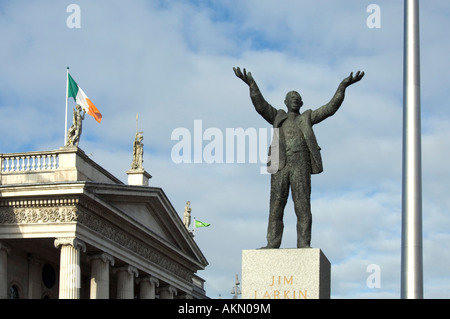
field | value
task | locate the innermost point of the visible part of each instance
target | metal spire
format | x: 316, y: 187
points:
x: 412, y: 264
x: 236, y: 290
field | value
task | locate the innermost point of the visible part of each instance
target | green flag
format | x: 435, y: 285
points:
x: 201, y: 224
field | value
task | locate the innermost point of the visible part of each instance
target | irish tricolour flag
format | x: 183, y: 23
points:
x: 73, y: 90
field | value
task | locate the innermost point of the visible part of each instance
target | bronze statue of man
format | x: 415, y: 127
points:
x: 293, y: 155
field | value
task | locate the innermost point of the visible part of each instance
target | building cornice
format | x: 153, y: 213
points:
x: 73, y: 210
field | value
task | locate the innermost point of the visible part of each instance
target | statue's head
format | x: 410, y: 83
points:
x: 293, y: 101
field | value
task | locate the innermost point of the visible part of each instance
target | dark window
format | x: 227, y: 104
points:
x: 48, y: 276
x: 13, y: 292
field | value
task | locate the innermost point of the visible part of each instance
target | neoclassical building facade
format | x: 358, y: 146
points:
x: 71, y: 230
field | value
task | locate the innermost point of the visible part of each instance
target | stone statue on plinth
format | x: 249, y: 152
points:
x: 138, y: 152
x: 293, y: 155
x: 74, y: 132
x: 137, y: 174
x: 187, y: 215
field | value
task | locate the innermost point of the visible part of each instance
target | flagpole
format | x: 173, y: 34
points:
x: 412, y: 259
x: 67, y: 97
x: 195, y: 226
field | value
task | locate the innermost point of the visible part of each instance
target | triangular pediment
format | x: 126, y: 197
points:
x: 150, y: 210
x: 143, y: 213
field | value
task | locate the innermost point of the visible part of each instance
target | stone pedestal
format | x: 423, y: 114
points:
x: 285, y: 274
x: 138, y: 177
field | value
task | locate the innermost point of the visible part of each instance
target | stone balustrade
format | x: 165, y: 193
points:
x: 61, y: 165
x: 20, y: 162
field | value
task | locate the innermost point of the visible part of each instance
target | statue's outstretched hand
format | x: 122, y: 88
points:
x: 352, y: 79
x: 246, y: 77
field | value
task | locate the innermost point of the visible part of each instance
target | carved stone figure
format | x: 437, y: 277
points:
x: 138, y: 151
x: 293, y: 155
x: 187, y: 215
x: 74, y: 132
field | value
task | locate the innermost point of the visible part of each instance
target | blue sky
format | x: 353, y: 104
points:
x: 171, y: 62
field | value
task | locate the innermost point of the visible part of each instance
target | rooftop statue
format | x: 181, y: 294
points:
x: 74, y: 132
x: 187, y: 215
x: 138, y: 151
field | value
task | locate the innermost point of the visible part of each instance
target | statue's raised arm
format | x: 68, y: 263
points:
x: 352, y: 79
x: 267, y: 111
x: 244, y: 76
x: 335, y: 103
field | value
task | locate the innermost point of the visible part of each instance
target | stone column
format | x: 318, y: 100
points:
x: 4, y: 251
x: 147, y: 287
x: 167, y: 292
x: 100, y: 275
x: 69, y: 267
x: 34, y: 277
x: 125, y: 282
